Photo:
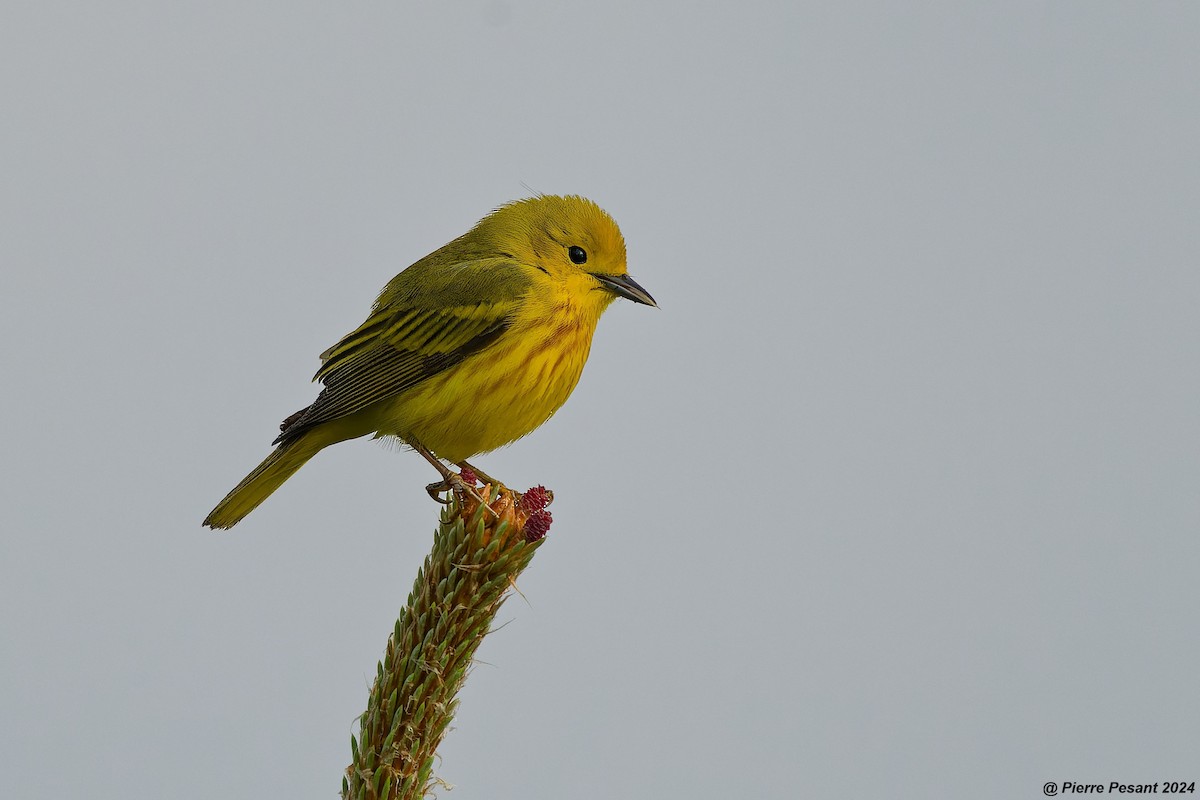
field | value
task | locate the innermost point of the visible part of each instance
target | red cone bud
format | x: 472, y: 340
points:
x: 535, y: 499
x: 538, y: 525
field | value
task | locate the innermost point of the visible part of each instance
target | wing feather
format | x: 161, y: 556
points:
x: 413, y: 334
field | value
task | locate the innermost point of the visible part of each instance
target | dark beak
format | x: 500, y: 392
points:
x: 626, y: 287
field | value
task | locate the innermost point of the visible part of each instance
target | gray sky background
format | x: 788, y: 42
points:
x: 897, y: 495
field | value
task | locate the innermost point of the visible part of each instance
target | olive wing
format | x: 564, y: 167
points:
x: 424, y: 323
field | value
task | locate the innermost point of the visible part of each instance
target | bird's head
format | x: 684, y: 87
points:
x: 572, y: 241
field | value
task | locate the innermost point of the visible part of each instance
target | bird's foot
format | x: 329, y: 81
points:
x: 468, y: 468
x: 451, y: 481
x: 454, y: 482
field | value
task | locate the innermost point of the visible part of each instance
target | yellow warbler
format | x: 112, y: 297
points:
x: 470, y: 348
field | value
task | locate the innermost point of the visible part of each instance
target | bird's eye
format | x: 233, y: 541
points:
x: 578, y: 254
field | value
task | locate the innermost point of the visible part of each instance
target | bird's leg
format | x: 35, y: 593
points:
x: 483, y: 476
x: 450, y: 480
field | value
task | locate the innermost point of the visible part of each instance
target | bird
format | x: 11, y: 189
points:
x: 467, y: 350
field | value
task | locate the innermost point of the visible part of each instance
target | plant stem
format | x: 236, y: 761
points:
x: 476, y: 558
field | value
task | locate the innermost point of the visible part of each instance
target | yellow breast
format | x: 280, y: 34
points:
x: 501, y: 393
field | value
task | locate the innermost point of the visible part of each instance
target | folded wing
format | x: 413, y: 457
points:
x: 422, y: 324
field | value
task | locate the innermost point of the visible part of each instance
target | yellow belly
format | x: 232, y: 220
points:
x: 495, y: 396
